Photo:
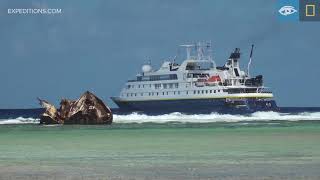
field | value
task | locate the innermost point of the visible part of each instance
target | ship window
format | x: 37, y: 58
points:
x: 214, y: 91
x: 197, y: 75
x: 198, y: 91
x: 150, y: 85
x: 127, y: 94
x: 154, y: 78
x: 194, y: 92
x: 190, y: 66
x: 139, y: 86
x: 159, y: 77
x: 173, y: 76
x: 176, y: 85
x: 210, y: 91
x: 170, y: 85
x: 157, y: 94
x: 162, y: 93
x: 165, y: 86
x: 152, y: 94
x: 157, y: 86
x: 206, y: 91
x: 145, y: 78
x: 149, y: 94
x: 187, y: 92
x: 202, y: 91
x: 219, y: 90
x: 236, y: 72
x: 167, y: 93
x: 174, y: 92
x: 178, y: 92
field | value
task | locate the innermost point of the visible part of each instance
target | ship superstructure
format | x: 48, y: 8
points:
x: 196, y: 85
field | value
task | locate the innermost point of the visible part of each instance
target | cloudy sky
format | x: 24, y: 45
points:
x: 97, y: 45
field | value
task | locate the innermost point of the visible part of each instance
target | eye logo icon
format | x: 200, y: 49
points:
x: 287, y: 10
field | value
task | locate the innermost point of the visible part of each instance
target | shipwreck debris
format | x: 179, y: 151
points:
x: 88, y: 109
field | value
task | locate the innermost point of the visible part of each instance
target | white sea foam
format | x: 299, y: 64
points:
x: 214, y: 117
x: 20, y: 120
x: 196, y: 118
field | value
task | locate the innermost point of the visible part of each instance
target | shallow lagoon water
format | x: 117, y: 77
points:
x: 244, y: 149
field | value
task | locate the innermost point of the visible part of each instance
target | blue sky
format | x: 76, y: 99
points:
x: 97, y: 45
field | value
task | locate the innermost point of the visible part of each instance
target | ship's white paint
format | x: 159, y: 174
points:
x: 189, y: 84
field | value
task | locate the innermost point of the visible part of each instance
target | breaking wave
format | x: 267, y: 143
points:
x: 214, y: 117
x: 20, y: 120
x: 196, y: 118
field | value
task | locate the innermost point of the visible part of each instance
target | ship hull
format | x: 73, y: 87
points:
x: 196, y: 106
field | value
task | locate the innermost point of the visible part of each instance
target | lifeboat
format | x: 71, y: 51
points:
x: 213, y: 80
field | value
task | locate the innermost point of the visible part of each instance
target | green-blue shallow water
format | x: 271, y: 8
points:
x: 242, y: 150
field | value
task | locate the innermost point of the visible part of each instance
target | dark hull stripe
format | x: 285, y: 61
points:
x: 197, y: 106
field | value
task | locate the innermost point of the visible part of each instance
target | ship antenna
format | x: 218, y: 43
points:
x: 250, y: 59
x: 174, y: 59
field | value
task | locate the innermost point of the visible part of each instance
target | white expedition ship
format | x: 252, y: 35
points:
x: 196, y: 85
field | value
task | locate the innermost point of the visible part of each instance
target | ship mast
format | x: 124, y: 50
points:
x: 203, y: 50
x: 188, y: 48
x: 250, y: 59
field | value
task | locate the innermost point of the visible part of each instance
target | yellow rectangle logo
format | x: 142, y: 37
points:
x: 310, y: 10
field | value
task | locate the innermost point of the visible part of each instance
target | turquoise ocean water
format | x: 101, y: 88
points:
x: 265, y: 145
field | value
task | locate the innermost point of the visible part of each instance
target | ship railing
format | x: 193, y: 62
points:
x: 268, y: 92
x: 248, y: 92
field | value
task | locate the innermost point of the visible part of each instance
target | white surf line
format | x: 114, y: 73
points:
x: 214, y: 117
